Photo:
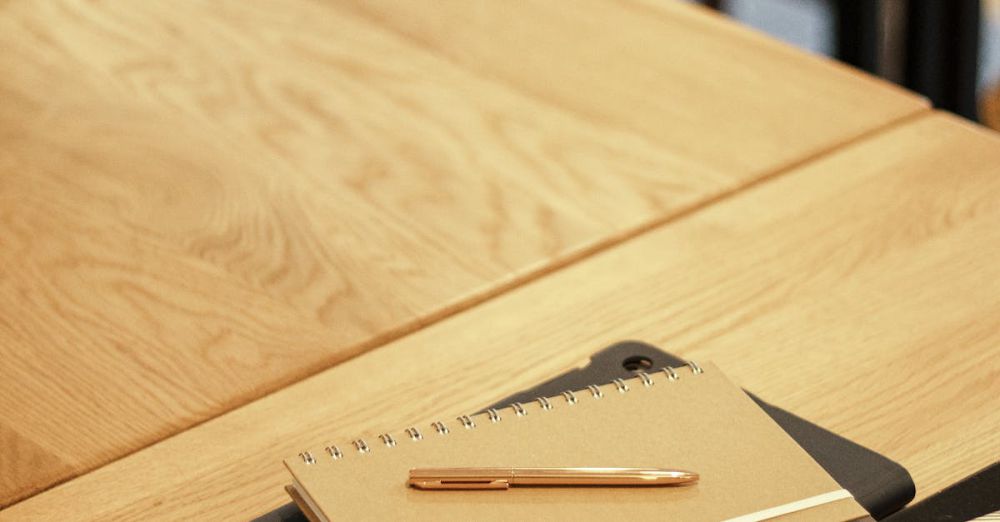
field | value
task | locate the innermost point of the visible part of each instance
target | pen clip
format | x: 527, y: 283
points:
x: 460, y: 484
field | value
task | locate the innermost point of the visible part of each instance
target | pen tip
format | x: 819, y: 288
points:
x: 678, y: 476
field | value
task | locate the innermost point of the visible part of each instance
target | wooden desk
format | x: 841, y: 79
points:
x: 204, y: 203
x: 860, y: 291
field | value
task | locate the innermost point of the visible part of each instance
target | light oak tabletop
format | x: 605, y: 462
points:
x: 205, y: 204
x: 824, y: 295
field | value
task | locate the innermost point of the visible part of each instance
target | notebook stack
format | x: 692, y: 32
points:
x: 686, y: 417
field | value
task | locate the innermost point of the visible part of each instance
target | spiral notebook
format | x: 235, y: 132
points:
x: 685, y: 418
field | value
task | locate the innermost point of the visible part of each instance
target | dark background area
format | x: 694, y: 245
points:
x: 949, y: 51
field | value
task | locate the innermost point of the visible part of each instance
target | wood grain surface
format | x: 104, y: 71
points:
x: 860, y: 291
x: 202, y: 202
x: 662, y: 69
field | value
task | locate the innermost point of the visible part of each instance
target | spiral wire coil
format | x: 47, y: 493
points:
x: 467, y: 422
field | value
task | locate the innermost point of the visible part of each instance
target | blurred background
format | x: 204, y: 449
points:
x: 947, y: 50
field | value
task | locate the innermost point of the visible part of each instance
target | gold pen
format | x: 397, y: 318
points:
x: 503, y: 478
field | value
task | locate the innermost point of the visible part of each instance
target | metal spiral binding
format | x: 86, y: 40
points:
x: 494, y: 415
x: 334, y: 452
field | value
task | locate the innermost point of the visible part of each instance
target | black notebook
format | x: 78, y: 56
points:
x: 880, y: 485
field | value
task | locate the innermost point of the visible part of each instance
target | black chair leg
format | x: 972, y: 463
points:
x: 858, y: 30
x: 942, y: 53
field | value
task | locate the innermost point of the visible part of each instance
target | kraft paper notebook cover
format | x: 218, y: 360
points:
x: 749, y: 467
x: 880, y: 485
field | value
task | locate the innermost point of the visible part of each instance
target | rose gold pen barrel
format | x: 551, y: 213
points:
x: 601, y: 477
x: 502, y: 478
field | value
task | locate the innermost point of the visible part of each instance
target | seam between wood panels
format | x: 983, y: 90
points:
x: 529, y: 276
